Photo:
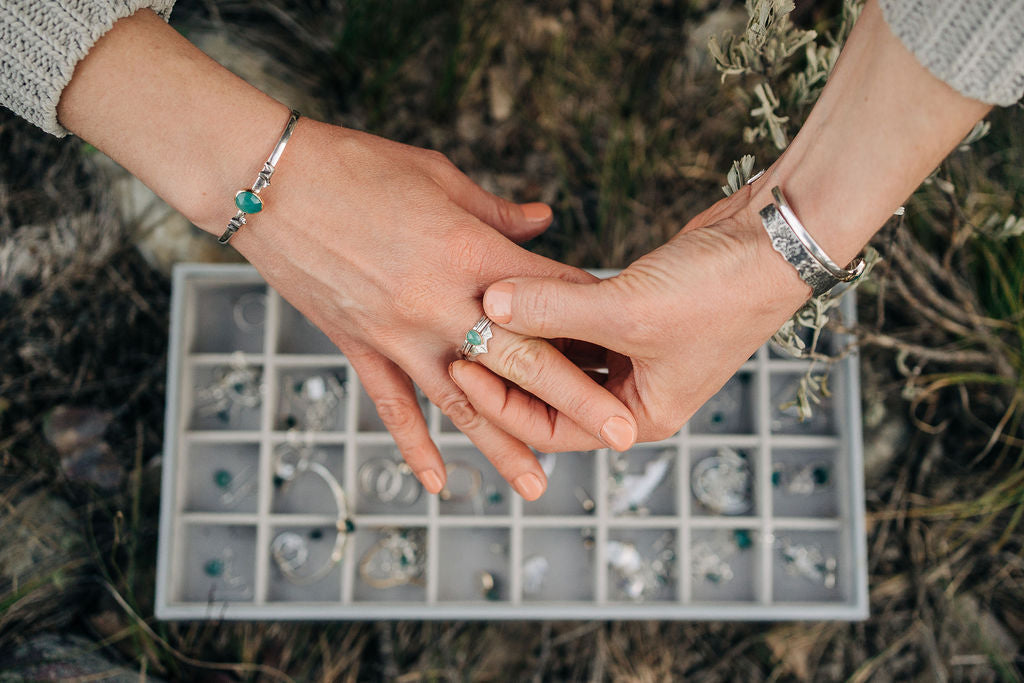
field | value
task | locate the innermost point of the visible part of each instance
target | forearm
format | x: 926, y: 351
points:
x: 882, y: 124
x: 174, y: 118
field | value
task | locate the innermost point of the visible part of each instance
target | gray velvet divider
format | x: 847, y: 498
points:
x: 492, y: 556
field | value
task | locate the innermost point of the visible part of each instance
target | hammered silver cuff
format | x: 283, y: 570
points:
x: 794, y: 243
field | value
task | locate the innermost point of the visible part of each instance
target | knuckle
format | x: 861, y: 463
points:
x: 661, y: 424
x: 466, y: 252
x: 439, y: 161
x: 534, y: 305
x: 503, y: 212
x: 397, y: 414
x: 523, y: 361
x: 641, y: 330
x: 461, y: 412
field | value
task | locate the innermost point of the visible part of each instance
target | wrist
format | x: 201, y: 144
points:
x: 185, y: 126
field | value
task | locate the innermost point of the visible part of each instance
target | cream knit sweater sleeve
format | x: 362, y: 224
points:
x: 41, y: 41
x: 976, y: 46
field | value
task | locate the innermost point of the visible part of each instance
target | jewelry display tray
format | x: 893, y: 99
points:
x: 215, y: 559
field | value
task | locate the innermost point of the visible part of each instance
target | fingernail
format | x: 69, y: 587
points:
x: 498, y: 302
x: 537, y: 212
x: 618, y: 433
x: 528, y: 486
x: 431, y: 481
x: 451, y: 372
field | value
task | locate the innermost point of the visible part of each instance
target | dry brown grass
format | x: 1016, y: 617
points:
x: 606, y: 111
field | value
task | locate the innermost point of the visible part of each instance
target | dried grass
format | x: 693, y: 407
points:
x: 610, y: 122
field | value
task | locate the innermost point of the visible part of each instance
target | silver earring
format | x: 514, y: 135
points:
x: 396, y: 559
x: 234, y: 487
x: 635, y: 576
x: 802, y: 480
x: 809, y: 562
x: 312, y: 403
x: 221, y: 568
x: 235, y: 386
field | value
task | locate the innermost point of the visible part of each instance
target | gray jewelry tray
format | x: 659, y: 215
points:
x: 497, y: 532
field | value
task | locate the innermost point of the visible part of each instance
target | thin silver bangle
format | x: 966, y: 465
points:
x: 249, y: 201
x: 848, y: 274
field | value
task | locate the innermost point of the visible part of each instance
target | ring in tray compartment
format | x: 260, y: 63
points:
x: 641, y: 481
x: 641, y: 565
x: 473, y: 486
x: 305, y: 563
x: 558, y: 565
x: 227, y: 396
x: 221, y: 477
x: 572, y: 485
x: 807, y: 567
x: 228, y: 318
x: 475, y: 564
x: 219, y: 564
x: 296, y: 335
x: 730, y: 411
x: 804, y: 483
x: 392, y: 564
x: 801, y: 405
x: 312, y: 400
x: 722, y: 482
x: 386, y: 483
x: 722, y: 565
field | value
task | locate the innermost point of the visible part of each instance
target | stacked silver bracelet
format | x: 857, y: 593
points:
x: 791, y: 239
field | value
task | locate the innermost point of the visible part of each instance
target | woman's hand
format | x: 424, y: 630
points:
x: 676, y: 324
x: 386, y: 247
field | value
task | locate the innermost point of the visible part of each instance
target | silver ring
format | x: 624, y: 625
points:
x: 244, y: 307
x: 476, y: 339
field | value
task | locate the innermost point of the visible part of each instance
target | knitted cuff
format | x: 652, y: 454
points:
x: 41, y: 42
x: 975, y: 46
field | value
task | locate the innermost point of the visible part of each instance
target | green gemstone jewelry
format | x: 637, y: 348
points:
x: 249, y: 201
x: 476, y: 339
x: 222, y: 478
x: 214, y: 568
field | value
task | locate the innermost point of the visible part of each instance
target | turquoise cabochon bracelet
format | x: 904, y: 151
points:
x: 249, y: 201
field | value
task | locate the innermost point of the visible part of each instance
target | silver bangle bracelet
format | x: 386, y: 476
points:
x: 795, y: 244
x: 249, y: 201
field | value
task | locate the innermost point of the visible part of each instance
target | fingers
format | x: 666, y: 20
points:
x: 536, y: 367
x: 395, y: 399
x: 518, y: 222
x: 511, y: 457
x: 551, y: 308
x: 524, y: 416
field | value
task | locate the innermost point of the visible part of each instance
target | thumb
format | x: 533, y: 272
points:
x: 551, y: 308
x: 518, y: 222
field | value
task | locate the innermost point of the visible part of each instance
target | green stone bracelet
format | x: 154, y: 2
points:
x: 249, y: 201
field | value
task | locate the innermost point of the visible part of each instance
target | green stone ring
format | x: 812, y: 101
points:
x: 476, y: 339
